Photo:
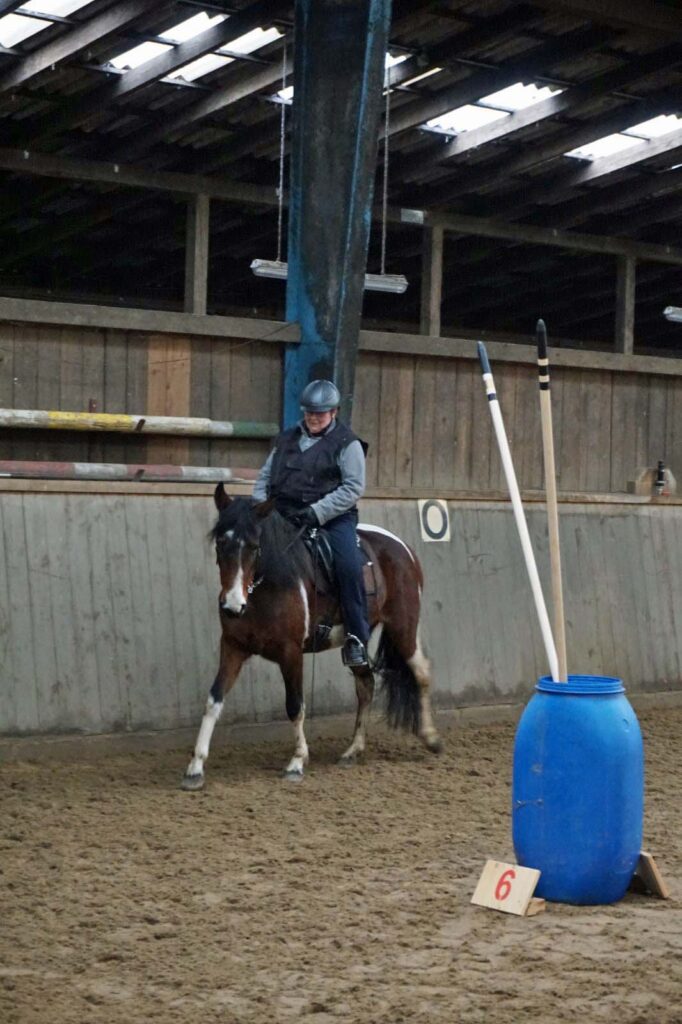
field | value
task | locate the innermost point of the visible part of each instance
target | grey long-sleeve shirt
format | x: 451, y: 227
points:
x: 351, y: 462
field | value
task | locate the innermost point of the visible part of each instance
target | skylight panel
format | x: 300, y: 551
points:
x: 201, y: 66
x: 186, y: 30
x: 60, y: 8
x: 287, y: 93
x: 656, y: 126
x: 191, y: 27
x: 463, y: 119
x: 14, y: 29
x: 607, y: 146
x: 491, y: 108
x: 138, y: 55
x: 392, y: 60
x: 253, y: 40
x: 520, y: 96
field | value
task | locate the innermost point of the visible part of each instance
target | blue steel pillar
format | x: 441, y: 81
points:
x: 339, y: 50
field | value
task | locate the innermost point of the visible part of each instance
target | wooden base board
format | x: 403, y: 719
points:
x: 647, y: 879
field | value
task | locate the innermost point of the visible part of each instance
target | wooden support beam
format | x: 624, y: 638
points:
x: 539, y: 236
x: 196, y: 255
x: 625, y: 305
x: 432, y: 280
x: 642, y: 14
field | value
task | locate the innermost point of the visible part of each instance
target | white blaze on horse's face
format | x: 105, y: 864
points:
x: 233, y: 592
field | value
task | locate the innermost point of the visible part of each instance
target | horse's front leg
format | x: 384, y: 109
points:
x: 291, y: 665
x: 231, y: 660
x: 364, y: 688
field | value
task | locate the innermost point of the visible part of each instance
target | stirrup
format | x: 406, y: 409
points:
x: 354, y: 652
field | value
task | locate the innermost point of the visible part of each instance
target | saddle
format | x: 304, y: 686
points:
x: 325, y: 579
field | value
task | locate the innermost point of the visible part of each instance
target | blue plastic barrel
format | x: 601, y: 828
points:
x: 578, y: 789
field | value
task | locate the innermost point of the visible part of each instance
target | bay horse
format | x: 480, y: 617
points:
x: 269, y: 605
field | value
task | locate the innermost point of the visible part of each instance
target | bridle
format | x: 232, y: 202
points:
x: 256, y: 581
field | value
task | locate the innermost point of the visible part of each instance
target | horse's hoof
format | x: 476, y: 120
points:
x: 192, y: 782
x: 348, y: 760
x: 434, y: 744
x: 292, y: 776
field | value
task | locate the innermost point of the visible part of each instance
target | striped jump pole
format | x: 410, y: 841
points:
x: 519, y: 514
x: 132, y: 423
x: 552, y: 504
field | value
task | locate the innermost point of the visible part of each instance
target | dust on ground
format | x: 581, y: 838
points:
x: 342, y: 898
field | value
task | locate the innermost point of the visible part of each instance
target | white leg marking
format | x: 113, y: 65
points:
x: 386, y: 533
x: 208, y: 723
x: 306, y: 610
x: 300, y: 758
x: 420, y: 665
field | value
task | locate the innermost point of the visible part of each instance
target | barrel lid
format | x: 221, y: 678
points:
x: 581, y: 685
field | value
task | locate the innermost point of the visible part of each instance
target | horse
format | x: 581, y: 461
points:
x: 270, y: 605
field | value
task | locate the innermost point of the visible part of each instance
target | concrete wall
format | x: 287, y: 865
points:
x: 108, y: 617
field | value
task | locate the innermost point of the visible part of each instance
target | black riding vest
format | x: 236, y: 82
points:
x: 301, y: 478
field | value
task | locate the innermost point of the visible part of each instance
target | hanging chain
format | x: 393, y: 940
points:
x: 384, y: 198
x: 282, y: 124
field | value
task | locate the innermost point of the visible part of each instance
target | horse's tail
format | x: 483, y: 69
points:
x: 400, y: 687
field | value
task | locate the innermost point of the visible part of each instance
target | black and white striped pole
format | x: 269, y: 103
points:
x: 552, y: 504
x: 519, y: 514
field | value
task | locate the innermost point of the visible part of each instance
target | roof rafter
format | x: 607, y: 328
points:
x: 570, y: 101
x: 642, y: 14
x: 73, y: 112
x: 536, y: 61
x: 79, y: 38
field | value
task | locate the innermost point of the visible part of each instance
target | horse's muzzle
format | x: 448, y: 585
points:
x: 232, y: 614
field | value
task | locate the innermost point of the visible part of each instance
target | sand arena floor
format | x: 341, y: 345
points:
x: 344, y: 898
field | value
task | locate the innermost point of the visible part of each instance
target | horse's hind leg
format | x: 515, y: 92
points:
x: 231, y: 660
x: 364, y: 687
x: 409, y: 650
x: 421, y: 669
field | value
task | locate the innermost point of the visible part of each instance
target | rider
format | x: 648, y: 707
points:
x: 316, y: 473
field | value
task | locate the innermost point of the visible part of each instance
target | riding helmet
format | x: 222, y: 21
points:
x: 320, y: 396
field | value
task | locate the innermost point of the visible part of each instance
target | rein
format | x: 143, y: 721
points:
x: 257, y: 582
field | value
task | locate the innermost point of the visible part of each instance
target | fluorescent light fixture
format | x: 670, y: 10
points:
x: 421, y: 77
x: 396, y: 283
x: 673, y: 313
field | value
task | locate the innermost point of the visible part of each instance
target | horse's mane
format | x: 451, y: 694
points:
x: 283, y: 558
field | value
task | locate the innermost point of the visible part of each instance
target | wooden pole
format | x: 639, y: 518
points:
x: 552, y: 505
x: 133, y: 423
x: 519, y: 515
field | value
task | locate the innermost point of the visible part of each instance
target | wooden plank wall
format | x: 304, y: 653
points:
x: 109, y: 619
x: 428, y: 425
x: 77, y: 369
x: 425, y: 417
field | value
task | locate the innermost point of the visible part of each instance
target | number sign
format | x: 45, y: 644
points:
x: 508, y: 887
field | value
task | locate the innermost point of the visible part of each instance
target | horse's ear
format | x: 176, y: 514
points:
x: 264, y: 508
x: 221, y: 497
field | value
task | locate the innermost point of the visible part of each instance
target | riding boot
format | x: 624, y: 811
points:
x: 354, y: 652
